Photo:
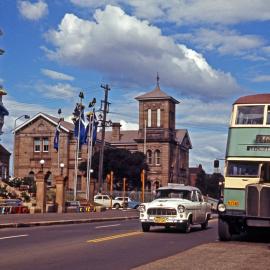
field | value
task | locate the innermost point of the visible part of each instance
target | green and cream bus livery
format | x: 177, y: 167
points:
x: 246, y: 193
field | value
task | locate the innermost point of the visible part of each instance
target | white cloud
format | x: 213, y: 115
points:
x: 56, y: 75
x: 227, y: 41
x: 261, y: 78
x: 127, y: 49
x: 59, y: 91
x: 33, y: 11
x: 191, y: 12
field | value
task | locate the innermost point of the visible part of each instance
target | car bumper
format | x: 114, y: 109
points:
x: 164, y: 221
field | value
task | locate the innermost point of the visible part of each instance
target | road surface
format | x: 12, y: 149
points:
x: 107, y: 245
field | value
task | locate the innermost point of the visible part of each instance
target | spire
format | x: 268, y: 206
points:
x: 157, y: 80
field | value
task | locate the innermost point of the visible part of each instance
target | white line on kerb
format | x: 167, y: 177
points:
x: 13, y: 236
x: 106, y: 226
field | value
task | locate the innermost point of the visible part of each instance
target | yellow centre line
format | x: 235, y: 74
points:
x: 97, y: 240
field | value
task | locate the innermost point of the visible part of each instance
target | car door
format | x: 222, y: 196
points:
x: 196, y: 207
x: 202, y: 210
x: 106, y: 201
x: 98, y: 199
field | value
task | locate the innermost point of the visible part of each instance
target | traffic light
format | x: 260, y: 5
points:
x: 216, y: 163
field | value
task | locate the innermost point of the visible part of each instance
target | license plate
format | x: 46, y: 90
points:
x: 233, y: 203
x: 160, y: 219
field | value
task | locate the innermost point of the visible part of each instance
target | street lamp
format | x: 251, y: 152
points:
x: 42, y: 161
x: 62, y: 165
x: 25, y: 116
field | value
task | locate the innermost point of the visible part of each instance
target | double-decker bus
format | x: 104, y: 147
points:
x: 246, y: 192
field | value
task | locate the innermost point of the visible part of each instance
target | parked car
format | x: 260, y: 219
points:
x: 129, y: 203
x: 177, y: 206
x: 72, y: 206
x: 106, y: 201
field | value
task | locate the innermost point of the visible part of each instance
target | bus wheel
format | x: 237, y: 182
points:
x: 224, y: 230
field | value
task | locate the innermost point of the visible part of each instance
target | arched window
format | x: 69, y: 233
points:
x: 149, y: 113
x: 157, y: 157
x: 158, y: 117
x: 149, y: 156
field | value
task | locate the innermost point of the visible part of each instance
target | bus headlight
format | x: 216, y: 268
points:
x: 221, y: 207
x: 181, y: 209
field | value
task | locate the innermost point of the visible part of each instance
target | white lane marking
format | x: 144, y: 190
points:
x: 14, y: 236
x: 106, y: 226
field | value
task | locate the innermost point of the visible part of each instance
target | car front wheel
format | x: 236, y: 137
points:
x: 117, y: 206
x: 145, y: 227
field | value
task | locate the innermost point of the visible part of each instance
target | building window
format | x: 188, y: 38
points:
x: 37, y: 145
x: 79, y: 183
x: 45, y: 145
x: 158, y: 117
x: 149, y: 112
x: 157, y: 157
x: 149, y: 156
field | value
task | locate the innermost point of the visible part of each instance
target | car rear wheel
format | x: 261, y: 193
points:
x: 145, y: 227
x: 224, y: 230
x: 205, y: 224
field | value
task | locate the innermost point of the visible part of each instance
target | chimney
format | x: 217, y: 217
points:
x: 116, y: 131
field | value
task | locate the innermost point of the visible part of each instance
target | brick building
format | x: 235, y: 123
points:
x: 4, y: 162
x: 166, y: 148
x: 34, y: 141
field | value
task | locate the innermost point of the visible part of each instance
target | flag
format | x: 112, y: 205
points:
x: 56, y: 137
x: 92, y: 123
x: 79, y: 125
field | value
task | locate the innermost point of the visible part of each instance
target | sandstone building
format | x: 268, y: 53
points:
x: 166, y: 148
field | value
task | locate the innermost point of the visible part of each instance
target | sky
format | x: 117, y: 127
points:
x: 207, y: 54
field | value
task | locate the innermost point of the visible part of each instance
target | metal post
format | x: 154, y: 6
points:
x: 77, y: 149
x: 90, y: 153
x: 100, y: 167
x: 124, y: 192
x: 144, y: 143
x: 143, y: 183
x: 111, y: 186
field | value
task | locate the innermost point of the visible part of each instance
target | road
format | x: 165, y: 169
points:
x: 107, y: 245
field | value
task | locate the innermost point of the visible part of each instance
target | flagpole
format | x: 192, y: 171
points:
x: 77, y: 148
x: 59, y: 125
x: 90, y: 152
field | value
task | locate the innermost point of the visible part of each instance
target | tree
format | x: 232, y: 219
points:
x: 122, y: 162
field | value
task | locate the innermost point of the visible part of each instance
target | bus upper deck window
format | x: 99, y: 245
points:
x: 250, y: 115
x: 268, y: 115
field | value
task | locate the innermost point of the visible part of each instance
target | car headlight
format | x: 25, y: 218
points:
x: 181, y: 209
x: 221, y: 207
x: 141, y: 208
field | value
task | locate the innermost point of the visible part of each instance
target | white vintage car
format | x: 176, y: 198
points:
x: 176, y: 205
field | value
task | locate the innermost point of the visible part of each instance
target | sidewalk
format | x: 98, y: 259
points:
x: 216, y: 256
x: 27, y: 220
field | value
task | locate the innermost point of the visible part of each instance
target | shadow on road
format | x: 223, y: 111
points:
x: 254, y: 236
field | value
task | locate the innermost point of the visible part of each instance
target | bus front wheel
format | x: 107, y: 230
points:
x: 224, y: 230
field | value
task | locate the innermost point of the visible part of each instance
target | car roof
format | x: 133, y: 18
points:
x: 173, y: 186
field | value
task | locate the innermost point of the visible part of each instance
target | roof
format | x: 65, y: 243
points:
x: 4, y: 151
x: 126, y: 136
x: 66, y: 126
x: 129, y: 136
x: 157, y: 93
x: 254, y: 99
x: 174, y: 186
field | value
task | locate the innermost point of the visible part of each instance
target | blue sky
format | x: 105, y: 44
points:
x: 207, y: 54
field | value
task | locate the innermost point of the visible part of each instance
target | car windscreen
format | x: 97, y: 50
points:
x: 172, y: 193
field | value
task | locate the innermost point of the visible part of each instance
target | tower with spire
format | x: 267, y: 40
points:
x: 162, y: 143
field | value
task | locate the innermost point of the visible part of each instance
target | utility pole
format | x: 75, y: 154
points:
x: 105, y: 110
